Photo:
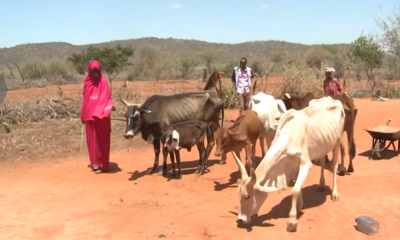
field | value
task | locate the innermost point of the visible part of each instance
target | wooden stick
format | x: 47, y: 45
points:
x: 119, y: 119
x: 80, y: 148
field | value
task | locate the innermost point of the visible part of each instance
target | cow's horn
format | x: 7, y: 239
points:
x: 126, y: 102
x: 242, y: 169
x: 287, y: 95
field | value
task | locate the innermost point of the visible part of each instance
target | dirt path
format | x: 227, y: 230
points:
x: 57, y: 201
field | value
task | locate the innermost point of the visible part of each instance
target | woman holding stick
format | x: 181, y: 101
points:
x: 95, y: 114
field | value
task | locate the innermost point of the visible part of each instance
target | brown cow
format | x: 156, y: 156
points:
x: 242, y: 134
x: 299, y: 102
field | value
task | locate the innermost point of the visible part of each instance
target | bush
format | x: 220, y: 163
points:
x: 229, y: 94
x: 298, y: 78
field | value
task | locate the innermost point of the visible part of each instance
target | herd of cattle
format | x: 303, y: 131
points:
x: 297, y: 130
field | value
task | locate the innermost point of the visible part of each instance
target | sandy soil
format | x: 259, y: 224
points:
x: 63, y: 199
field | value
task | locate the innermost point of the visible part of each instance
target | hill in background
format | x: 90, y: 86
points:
x: 44, y: 51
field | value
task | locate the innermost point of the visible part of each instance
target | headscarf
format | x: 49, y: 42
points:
x: 96, y: 95
x: 329, y: 69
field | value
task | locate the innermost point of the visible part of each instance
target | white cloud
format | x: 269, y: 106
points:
x: 178, y: 5
x: 265, y: 5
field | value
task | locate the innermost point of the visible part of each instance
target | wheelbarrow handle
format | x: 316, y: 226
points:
x: 387, y: 123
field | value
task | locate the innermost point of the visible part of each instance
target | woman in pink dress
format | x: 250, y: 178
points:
x: 95, y: 114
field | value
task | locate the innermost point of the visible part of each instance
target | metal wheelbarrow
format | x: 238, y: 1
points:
x: 380, y: 135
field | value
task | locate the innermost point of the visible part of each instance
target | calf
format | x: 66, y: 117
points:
x: 242, y: 134
x: 269, y: 111
x: 184, y: 135
x: 299, y: 138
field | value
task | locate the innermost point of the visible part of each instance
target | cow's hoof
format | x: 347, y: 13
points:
x: 179, y: 176
x: 341, y: 170
x: 200, y: 172
x: 222, y: 161
x: 350, y: 169
x: 335, y: 197
x: 162, y: 172
x: 341, y: 173
x: 291, y: 226
x: 152, y: 170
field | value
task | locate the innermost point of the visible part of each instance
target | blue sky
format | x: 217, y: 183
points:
x: 228, y: 21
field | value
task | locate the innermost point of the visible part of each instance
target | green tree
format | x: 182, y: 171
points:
x: 318, y: 53
x: 209, y: 56
x: 112, y: 59
x: 367, y: 52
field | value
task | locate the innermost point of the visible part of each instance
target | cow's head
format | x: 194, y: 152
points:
x: 252, y: 195
x: 171, y: 140
x: 134, y: 115
x: 216, y: 75
x: 221, y: 135
x: 291, y: 100
x: 223, y: 140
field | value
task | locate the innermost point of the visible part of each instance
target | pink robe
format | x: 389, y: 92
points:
x: 96, y: 112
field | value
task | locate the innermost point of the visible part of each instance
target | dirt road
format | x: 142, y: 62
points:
x: 63, y: 200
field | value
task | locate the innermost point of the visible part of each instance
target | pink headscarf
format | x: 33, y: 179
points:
x: 96, y: 95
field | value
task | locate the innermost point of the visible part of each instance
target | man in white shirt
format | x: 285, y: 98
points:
x: 241, y: 79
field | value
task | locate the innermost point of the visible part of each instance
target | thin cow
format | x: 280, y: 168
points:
x: 269, y: 111
x: 242, y: 134
x: 154, y: 114
x: 299, y: 102
x: 299, y: 138
x: 184, y: 135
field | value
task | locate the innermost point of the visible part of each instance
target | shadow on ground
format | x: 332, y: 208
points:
x: 188, y: 167
x: 112, y: 167
x: 312, y: 197
x: 234, y: 176
x: 385, y: 155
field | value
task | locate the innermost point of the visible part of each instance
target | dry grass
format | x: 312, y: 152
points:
x: 56, y: 139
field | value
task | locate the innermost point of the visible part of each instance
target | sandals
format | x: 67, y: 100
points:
x: 97, y: 171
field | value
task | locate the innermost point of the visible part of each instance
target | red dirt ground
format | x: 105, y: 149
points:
x: 63, y: 199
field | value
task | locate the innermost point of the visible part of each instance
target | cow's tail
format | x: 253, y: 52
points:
x: 352, y: 146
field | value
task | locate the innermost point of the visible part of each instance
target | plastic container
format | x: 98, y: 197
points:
x: 367, y: 225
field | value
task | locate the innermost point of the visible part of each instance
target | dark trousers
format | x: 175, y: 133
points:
x: 243, y: 101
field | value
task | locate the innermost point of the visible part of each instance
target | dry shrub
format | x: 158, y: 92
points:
x: 298, y: 77
x: 37, y: 110
x: 229, y: 94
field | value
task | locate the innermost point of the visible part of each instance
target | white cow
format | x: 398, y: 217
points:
x: 299, y: 138
x: 269, y: 112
